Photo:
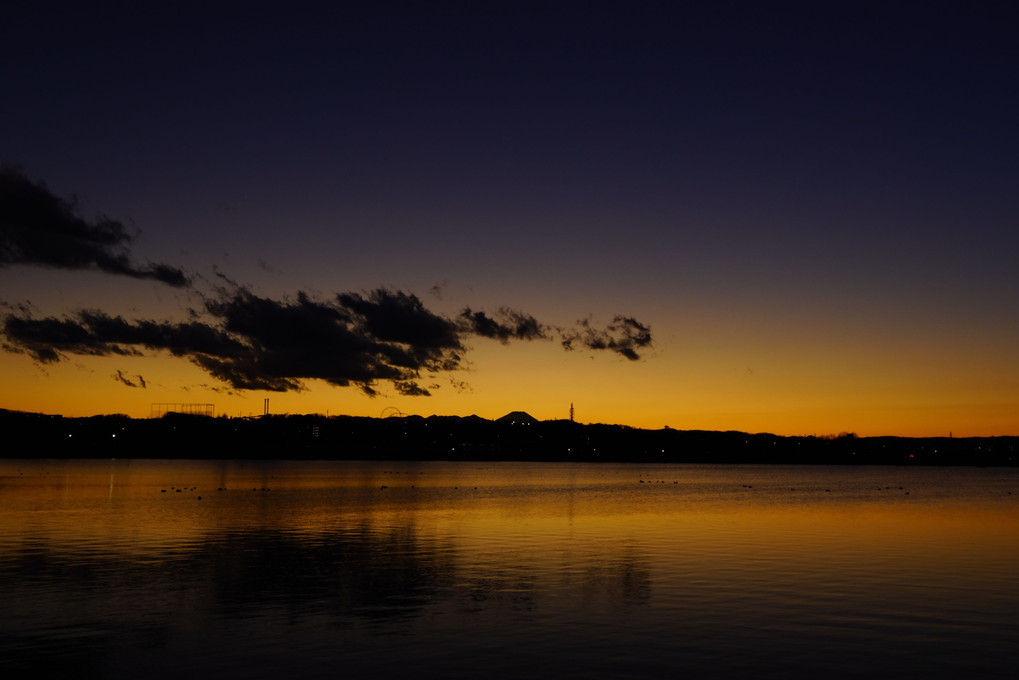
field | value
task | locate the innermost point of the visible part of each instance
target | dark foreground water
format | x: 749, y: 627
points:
x: 128, y: 569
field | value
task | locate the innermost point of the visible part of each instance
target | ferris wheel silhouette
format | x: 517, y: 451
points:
x: 391, y: 412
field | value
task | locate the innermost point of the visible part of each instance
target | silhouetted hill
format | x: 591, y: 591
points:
x: 33, y: 435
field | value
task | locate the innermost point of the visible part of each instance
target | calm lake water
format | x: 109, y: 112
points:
x: 227, y: 569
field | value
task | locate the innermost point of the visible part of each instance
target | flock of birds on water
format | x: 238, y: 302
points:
x: 384, y: 487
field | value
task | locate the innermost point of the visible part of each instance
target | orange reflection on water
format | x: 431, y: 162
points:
x: 693, y: 567
x: 531, y: 508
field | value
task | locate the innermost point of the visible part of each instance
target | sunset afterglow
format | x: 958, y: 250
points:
x: 758, y: 217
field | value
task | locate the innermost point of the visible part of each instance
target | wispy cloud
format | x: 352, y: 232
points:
x: 625, y: 335
x: 136, y: 381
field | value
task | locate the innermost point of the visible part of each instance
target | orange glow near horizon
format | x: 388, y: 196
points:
x: 782, y: 392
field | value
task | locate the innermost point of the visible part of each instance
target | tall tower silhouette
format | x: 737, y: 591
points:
x: 571, y: 411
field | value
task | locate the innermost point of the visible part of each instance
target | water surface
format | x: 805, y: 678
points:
x: 122, y: 568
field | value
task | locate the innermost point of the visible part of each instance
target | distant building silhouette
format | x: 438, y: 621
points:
x: 189, y: 408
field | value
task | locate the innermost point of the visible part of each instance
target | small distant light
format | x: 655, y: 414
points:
x: 113, y: 435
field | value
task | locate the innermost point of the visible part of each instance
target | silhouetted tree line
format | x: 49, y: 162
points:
x: 33, y: 435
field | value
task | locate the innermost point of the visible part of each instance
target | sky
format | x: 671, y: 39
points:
x: 787, y: 217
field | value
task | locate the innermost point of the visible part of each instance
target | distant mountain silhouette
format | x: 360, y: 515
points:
x: 517, y: 417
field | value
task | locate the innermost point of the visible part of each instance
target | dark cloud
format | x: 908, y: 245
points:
x: 625, y: 335
x: 400, y: 317
x: 246, y: 341
x: 387, y: 336
x: 409, y: 388
x: 48, y: 340
x: 509, y: 325
x: 41, y: 229
x: 95, y: 333
x: 136, y: 381
x: 361, y: 339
